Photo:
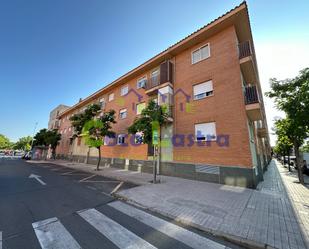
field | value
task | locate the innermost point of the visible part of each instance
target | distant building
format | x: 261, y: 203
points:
x: 53, y: 116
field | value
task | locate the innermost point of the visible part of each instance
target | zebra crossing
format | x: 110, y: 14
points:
x: 51, y: 233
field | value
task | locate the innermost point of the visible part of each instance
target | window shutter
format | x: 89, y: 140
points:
x: 205, y: 52
x: 205, y: 130
x: 196, y: 56
x: 203, y: 88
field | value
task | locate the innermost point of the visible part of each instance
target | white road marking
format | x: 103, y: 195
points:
x: 0, y: 240
x: 116, y: 188
x: 37, y: 178
x: 86, y: 178
x: 100, y: 181
x: 116, y: 233
x: 53, y: 235
x: 183, y: 235
x: 67, y: 173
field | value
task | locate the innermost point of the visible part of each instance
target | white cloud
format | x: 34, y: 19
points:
x: 279, y: 59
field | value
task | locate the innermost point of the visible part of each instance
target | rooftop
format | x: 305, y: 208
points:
x: 238, y: 16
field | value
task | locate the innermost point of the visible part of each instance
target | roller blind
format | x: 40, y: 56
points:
x: 203, y: 88
x: 205, y: 130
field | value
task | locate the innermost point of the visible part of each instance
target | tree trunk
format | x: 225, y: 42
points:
x: 289, y: 161
x: 284, y: 159
x: 99, y: 159
x: 298, y: 164
x: 87, y: 157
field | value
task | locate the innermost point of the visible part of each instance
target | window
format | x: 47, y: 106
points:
x: 102, y: 103
x: 65, y: 131
x: 140, y: 107
x: 124, y: 90
x: 205, y: 131
x: 155, y: 77
x: 70, y: 128
x: 123, y: 113
x: 111, y: 97
x: 121, y: 139
x: 200, y: 54
x: 203, y: 90
x: 141, y: 83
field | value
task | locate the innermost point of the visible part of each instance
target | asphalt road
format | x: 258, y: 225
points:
x: 59, y: 207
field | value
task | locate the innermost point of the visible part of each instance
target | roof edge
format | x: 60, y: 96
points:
x: 242, y: 5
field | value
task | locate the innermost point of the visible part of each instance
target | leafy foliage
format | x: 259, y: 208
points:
x: 291, y: 96
x: 46, y: 137
x: 95, y: 130
x: 152, y: 113
x: 79, y: 120
x: 305, y: 147
x: 24, y: 143
x: 5, y: 143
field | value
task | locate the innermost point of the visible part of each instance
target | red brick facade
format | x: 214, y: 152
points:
x: 226, y: 107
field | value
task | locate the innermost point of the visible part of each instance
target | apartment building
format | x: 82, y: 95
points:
x: 53, y: 122
x: 217, y: 129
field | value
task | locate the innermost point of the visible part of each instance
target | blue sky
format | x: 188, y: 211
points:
x: 56, y: 51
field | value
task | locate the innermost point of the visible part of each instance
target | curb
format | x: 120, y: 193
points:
x: 228, y: 237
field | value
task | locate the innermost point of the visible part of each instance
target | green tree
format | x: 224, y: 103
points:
x: 5, y: 143
x: 96, y: 130
x: 79, y: 120
x: 305, y: 147
x: 52, y: 139
x: 23, y: 143
x: 47, y: 138
x: 40, y: 138
x: 152, y: 114
x: 284, y: 144
x: 291, y: 96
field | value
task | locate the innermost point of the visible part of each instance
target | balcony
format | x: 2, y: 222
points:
x: 56, y: 125
x: 262, y: 132
x: 164, y: 76
x: 244, y: 49
x: 252, y: 102
x: 247, y: 65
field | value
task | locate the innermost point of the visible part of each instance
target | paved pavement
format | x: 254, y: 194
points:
x: 299, y: 197
x: 275, y: 215
x: 64, y: 208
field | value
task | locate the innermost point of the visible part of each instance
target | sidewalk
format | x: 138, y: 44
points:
x: 274, y: 215
x: 263, y: 217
